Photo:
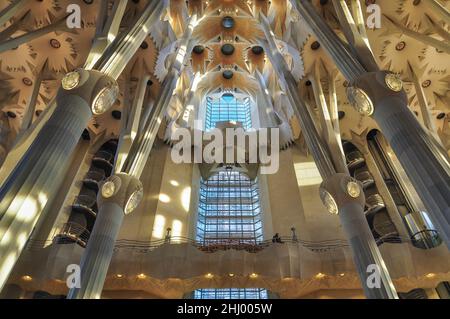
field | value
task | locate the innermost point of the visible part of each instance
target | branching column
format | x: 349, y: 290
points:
x: 38, y: 174
x: 381, y: 95
x: 119, y: 195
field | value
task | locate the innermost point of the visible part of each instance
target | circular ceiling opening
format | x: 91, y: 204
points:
x: 257, y: 50
x: 228, y: 22
x: 227, y: 74
x: 144, y: 45
x: 86, y: 136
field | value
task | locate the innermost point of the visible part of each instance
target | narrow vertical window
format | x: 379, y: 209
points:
x: 231, y: 293
x: 229, y: 210
x: 227, y: 108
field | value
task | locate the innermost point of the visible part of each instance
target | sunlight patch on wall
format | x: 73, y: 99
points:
x: 164, y: 198
x: 307, y: 174
x: 186, y: 198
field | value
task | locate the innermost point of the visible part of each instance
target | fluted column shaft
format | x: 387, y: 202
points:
x: 99, y: 251
x: 11, y: 10
x: 344, y: 59
x: 119, y: 195
x: 334, y: 192
x: 425, y: 164
x: 436, y: 7
x: 39, y: 172
x: 140, y: 150
x: 30, y: 36
x: 344, y: 195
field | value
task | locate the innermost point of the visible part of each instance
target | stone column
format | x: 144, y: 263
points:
x: 348, y: 63
x: 119, y: 196
x: 381, y: 95
x: 344, y: 195
x: 35, y: 178
x: 436, y: 7
x: 5, y: 137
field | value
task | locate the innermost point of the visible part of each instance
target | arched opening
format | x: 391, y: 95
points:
x: 229, y: 211
x: 227, y: 108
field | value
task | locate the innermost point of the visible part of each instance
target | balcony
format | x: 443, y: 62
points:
x: 173, y: 266
x: 422, y: 231
x: 73, y: 232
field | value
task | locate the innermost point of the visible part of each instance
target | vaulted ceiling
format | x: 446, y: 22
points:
x: 399, y: 45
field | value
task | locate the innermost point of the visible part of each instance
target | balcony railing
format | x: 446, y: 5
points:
x: 364, y: 177
x: 73, y: 232
x: 210, y: 245
x: 79, y: 234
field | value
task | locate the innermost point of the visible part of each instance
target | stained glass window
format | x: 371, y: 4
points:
x: 228, y: 108
x: 229, y: 209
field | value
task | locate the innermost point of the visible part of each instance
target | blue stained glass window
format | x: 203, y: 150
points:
x: 229, y: 209
x: 227, y: 108
x: 231, y: 293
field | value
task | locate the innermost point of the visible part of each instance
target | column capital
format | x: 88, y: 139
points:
x: 339, y: 190
x: 122, y: 189
x: 99, y: 90
x: 370, y: 88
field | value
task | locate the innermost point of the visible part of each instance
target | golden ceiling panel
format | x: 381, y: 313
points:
x: 229, y: 6
x: 211, y: 28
